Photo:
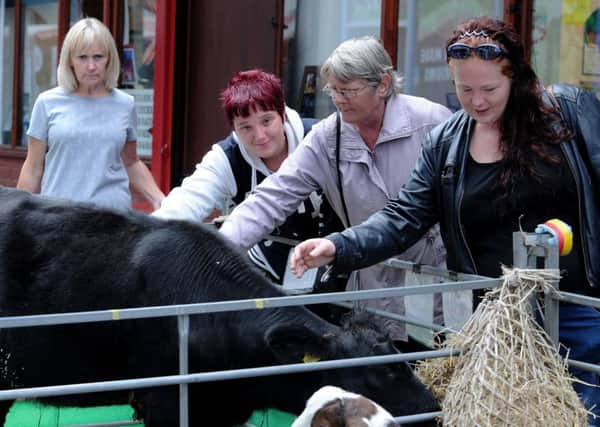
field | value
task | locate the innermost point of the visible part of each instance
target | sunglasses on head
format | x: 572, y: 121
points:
x: 486, y: 51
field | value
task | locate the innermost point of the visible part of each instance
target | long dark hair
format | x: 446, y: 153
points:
x: 528, y: 123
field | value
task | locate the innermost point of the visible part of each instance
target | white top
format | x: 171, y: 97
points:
x: 212, y: 185
x: 85, y: 137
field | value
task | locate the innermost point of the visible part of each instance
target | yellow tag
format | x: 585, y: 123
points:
x: 115, y: 314
x: 260, y: 303
x: 309, y: 358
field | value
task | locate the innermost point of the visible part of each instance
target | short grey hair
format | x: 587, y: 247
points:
x: 83, y: 34
x: 362, y: 58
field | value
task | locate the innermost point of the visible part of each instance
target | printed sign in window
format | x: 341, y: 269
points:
x: 144, y: 103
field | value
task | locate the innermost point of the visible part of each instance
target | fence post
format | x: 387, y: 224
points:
x: 551, y: 303
x: 183, y: 327
x: 527, y: 248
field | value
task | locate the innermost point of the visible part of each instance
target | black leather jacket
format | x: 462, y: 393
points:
x: 435, y: 189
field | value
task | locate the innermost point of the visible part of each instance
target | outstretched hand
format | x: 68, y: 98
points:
x: 310, y: 254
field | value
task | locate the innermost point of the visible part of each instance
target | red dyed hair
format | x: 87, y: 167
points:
x: 250, y: 91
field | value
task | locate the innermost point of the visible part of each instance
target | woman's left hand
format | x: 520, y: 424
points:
x: 310, y: 254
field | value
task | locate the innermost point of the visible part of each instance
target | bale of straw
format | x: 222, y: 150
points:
x: 437, y: 373
x: 508, y: 372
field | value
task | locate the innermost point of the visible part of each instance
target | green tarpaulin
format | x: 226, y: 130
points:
x: 35, y: 414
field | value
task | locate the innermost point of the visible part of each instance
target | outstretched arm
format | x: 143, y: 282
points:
x: 312, y: 253
x: 139, y: 175
x: 277, y: 197
x: 386, y: 233
x: 210, y: 187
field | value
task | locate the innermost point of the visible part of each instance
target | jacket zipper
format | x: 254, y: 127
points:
x: 462, y: 234
x: 583, y: 243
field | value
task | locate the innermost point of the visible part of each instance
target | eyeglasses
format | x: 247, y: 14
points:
x: 486, y: 51
x: 345, y: 93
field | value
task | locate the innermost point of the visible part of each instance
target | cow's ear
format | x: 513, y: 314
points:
x: 296, y: 343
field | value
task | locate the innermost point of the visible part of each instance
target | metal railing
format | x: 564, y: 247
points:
x: 527, y: 248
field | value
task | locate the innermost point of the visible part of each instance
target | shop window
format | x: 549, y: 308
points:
x: 566, y: 42
x: 546, y: 41
x: 314, y: 29
x: 29, y: 62
x: 7, y: 22
x: 423, y: 28
x: 40, y: 53
x: 137, y: 65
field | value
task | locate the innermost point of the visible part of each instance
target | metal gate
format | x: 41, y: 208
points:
x: 527, y: 247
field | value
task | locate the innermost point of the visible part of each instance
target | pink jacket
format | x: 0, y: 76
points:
x: 369, y: 179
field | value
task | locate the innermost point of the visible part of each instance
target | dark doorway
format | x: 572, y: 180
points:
x: 214, y: 39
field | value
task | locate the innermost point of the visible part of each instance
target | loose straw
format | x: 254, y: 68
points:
x: 508, y: 373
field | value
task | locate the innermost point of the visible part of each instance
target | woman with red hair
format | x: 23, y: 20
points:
x: 264, y: 132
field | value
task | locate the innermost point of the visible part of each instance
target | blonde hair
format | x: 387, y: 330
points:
x: 82, y: 35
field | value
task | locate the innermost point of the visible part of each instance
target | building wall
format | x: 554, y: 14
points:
x: 9, y: 170
x: 11, y: 166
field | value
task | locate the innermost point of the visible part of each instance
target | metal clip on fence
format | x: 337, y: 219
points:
x: 527, y: 249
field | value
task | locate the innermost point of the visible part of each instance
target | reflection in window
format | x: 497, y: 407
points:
x: 546, y: 42
x: 7, y: 21
x: 423, y: 28
x: 320, y: 26
x: 566, y: 43
x: 137, y: 65
x: 39, y: 53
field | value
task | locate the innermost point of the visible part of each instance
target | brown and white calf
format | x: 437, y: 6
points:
x: 334, y: 407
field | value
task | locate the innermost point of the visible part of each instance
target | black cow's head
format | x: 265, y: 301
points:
x: 393, y: 386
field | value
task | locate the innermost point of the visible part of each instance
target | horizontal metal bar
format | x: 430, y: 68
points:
x: 425, y: 416
x: 584, y: 366
x: 400, y: 318
x: 249, y: 304
x: 576, y: 299
x: 32, y: 392
x: 284, y: 240
x: 428, y: 269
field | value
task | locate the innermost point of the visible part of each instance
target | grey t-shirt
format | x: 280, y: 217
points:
x: 85, y: 137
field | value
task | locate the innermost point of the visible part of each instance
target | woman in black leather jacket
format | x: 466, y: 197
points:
x: 505, y: 161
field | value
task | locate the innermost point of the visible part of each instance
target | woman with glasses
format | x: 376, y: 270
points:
x: 505, y: 162
x: 380, y: 133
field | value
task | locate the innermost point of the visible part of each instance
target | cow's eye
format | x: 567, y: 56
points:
x: 382, y: 338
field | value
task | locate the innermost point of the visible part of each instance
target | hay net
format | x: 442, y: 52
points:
x: 508, y: 373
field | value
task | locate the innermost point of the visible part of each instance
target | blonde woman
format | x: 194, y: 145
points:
x: 82, y: 133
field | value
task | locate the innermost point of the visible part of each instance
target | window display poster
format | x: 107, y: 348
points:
x: 129, y: 74
x: 591, y: 44
x: 308, y: 87
x: 144, y: 103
